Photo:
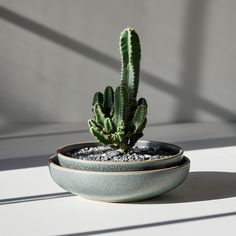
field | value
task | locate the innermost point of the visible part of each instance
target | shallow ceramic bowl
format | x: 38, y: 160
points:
x: 118, y: 186
x: 73, y: 163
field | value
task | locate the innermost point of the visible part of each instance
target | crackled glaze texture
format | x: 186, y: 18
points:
x: 119, y: 186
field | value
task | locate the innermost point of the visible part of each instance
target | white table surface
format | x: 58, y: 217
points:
x: 32, y: 204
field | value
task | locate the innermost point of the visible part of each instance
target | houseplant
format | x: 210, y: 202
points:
x: 118, y: 123
x: 119, y: 168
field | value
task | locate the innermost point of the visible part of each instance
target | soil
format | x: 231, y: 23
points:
x: 106, y: 153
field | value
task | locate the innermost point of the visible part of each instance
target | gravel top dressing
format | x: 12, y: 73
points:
x: 106, y: 153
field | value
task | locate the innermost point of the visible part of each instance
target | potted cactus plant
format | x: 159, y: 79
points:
x: 115, y: 166
x: 118, y: 122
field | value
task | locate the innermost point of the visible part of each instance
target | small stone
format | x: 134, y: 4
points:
x: 157, y: 157
x: 162, y: 157
x: 116, y: 158
x: 139, y: 157
x: 147, y: 155
x: 113, y: 153
x: 105, y: 158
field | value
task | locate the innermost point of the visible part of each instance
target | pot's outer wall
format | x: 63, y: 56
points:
x: 119, y: 186
x: 74, y: 163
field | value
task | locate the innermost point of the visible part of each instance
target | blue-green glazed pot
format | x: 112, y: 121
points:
x: 176, y: 155
x: 119, y: 186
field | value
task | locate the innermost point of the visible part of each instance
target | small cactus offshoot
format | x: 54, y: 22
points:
x: 119, y: 118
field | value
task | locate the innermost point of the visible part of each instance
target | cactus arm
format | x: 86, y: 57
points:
x: 98, y: 98
x: 99, y: 135
x: 118, y: 137
x: 121, y: 105
x: 130, y: 51
x: 99, y: 115
x: 108, y: 125
x: 139, y: 118
x: 93, y: 123
x: 108, y: 99
x: 142, y: 101
x: 95, y: 131
x: 142, y: 126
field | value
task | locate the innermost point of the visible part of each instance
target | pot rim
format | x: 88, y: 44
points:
x: 54, y: 165
x: 180, y: 153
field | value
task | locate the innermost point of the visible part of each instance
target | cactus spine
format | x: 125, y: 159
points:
x: 119, y: 119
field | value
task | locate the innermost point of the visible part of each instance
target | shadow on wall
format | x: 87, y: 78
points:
x: 193, y: 48
x: 185, y: 95
x: 207, y: 143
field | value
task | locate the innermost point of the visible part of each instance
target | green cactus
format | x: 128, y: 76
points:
x: 130, y: 51
x: 119, y: 119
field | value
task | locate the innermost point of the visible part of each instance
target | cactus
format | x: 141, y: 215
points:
x: 119, y: 119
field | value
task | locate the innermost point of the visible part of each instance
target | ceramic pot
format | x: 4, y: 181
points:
x: 176, y: 155
x: 119, y: 186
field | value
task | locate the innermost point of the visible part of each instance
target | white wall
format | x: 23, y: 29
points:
x: 55, y: 54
